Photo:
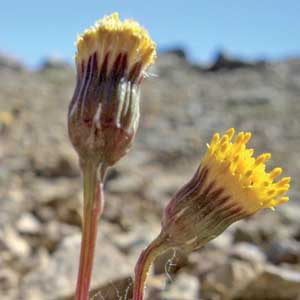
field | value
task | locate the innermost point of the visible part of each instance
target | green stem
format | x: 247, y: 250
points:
x: 157, y: 247
x: 92, y: 209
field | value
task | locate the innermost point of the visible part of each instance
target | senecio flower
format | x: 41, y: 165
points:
x: 230, y: 184
x: 112, y: 59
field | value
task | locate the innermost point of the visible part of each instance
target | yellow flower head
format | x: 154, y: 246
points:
x: 230, y: 184
x: 112, y: 58
x: 118, y: 46
x: 243, y: 177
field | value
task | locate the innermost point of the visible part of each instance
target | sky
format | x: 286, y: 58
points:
x: 32, y: 30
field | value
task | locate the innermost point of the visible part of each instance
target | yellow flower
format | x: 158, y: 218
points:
x: 112, y: 59
x: 230, y: 184
x: 243, y: 177
x: 119, y: 46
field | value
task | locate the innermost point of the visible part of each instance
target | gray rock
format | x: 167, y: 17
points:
x: 284, y: 251
x: 223, y: 61
x: 11, y: 241
x: 29, y: 224
x: 229, y: 279
x: 61, y: 163
x: 184, y: 287
x: 56, y: 279
x: 223, y: 241
x: 248, y: 252
x: 181, y: 109
x: 54, y: 232
x: 133, y: 242
x: 52, y: 191
x: 206, y: 260
x: 8, y: 282
x: 54, y: 62
x: 272, y: 283
x: 258, y: 230
x: 10, y: 62
x: 290, y: 213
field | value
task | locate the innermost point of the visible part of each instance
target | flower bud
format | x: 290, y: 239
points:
x: 229, y: 185
x: 112, y: 58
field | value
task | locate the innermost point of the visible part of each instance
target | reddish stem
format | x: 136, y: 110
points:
x: 93, y: 206
x: 144, y: 263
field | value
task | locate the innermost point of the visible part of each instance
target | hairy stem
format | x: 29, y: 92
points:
x: 157, y: 247
x: 92, y: 208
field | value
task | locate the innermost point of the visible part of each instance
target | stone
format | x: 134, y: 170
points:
x: 223, y: 61
x: 53, y: 62
x: 284, y: 251
x: 10, y: 62
x: 54, y: 232
x: 206, y: 260
x: 272, y: 283
x: 248, y: 252
x: 183, y: 287
x: 8, y: 282
x: 62, y: 163
x: 56, y: 279
x: 126, y: 183
x: 48, y: 191
x: 180, y: 111
x: 257, y: 230
x: 11, y: 241
x: 29, y: 224
x: 133, y: 242
x: 289, y: 213
x: 227, y: 280
x: 170, y: 262
x: 223, y: 241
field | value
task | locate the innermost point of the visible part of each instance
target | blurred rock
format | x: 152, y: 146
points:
x: 62, y: 162
x: 126, y: 183
x: 60, y: 189
x: 229, y: 279
x: 183, y: 287
x: 207, y: 260
x: 289, y: 214
x: 8, y: 283
x: 222, y: 242
x: 29, y: 224
x: 182, y: 106
x: 53, y: 62
x: 54, y: 232
x: 223, y: 61
x: 248, y: 252
x: 284, y: 251
x: 133, y: 242
x: 11, y: 63
x: 170, y: 262
x: 272, y: 283
x: 261, y: 233
x: 179, y: 51
x: 56, y: 279
x: 11, y: 241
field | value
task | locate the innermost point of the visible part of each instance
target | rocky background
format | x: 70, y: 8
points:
x: 183, y: 104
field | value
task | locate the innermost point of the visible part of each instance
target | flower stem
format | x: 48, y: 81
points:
x: 92, y: 209
x: 157, y: 247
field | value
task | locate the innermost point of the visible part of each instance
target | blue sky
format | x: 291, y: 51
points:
x: 31, y: 29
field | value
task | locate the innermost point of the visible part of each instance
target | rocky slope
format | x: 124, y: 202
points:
x: 182, y: 106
